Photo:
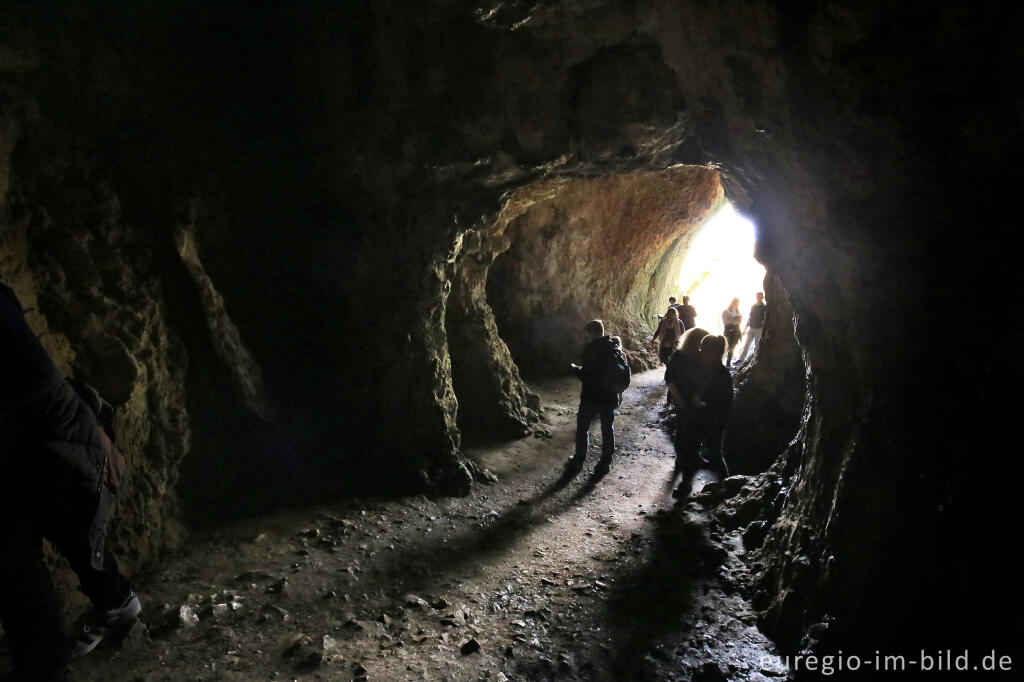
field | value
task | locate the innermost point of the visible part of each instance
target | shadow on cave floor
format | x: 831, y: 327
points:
x: 539, y: 576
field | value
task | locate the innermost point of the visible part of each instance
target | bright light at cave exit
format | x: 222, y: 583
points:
x: 719, y: 267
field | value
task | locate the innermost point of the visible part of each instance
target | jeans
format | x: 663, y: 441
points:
x: 588, y: 412
x: 753, y: 334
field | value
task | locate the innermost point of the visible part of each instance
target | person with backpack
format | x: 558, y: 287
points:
x: 687, y: 314
x: 669, y: 331
x: 59, y: 476
x: 604, y: 374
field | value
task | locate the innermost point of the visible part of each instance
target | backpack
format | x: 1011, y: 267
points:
x: 616, y: 374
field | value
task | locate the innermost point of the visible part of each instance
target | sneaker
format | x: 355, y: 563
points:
x: 603, y: 465
x: 97, y: 625
x: 574, y: 463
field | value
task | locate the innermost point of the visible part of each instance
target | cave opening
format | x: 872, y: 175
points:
x: 565, y: 251
x: 720, y: 266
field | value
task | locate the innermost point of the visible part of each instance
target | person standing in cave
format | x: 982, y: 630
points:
x: 602, y: 356
x: 755, y: 325
x: 682, y: 375
x: 710, y: 407
x: 687, y: 314
x: 669, y: 331
x: 59, y: 474
x: 731, y: 319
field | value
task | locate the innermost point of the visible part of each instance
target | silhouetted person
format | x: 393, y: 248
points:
x: 731, y: 318
x: 669, y: 332
x: 755, y: 325
x: 673, y: 304
x: 596, y: 398
x: 683, y: 376
x: 59, y: 474
x: 687, y: 313
x: 702, y: 442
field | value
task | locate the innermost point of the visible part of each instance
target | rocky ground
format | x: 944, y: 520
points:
x: 536, y: 577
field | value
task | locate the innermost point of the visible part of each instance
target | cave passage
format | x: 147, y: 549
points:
x: 541, y: 577
x: 311, y: 251
x: 720, y: 266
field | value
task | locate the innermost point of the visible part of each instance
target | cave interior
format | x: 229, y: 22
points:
x: 320, y: 253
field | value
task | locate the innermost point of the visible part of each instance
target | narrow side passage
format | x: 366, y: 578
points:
x: 598, y: 578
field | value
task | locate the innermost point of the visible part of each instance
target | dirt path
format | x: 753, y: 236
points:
x: 536, y: 577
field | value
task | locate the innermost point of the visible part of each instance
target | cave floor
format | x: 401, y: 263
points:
x: 535, y: 577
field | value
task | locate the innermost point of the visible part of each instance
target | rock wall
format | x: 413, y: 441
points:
x: 348, y: 161
x: 493, y: 400
x: 607, y: 248
x: 770, y: 391
x: 828, y: 124
x: 87, y: 287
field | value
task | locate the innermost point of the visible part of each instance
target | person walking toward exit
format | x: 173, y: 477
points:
x: 700, y: 444
x: 687, y: 314
x: 669, y: 332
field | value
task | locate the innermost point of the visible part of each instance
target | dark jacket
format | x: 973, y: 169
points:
x: 26, y: 371
x: 684, y: 372
x: 716, y: 395
x: 756, y: 319
x: 687, y: 315
x: 597, y: 356
x: 51, y: 449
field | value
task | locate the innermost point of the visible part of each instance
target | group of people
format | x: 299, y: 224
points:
x: 699, y: 384
x: 681, y: 317
x: 677, y: 319
x: 700, y: 388
x: 697, y: 375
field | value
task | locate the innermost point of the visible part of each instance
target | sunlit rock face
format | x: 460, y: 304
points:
x: 608, y: 248
x: 559, y: 253
x: 338, y: 166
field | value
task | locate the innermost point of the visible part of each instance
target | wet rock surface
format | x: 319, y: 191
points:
x: 538, y: 577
